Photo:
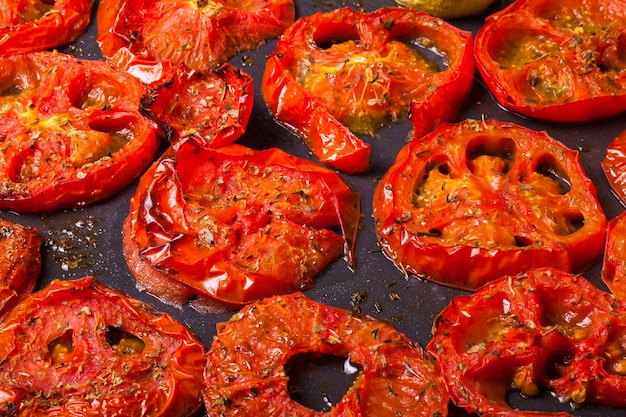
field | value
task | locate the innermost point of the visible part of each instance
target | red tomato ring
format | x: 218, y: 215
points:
x: 20, y: 263
x: 245, y: 373
x: 80, y: 348
x: 471, y: 202
x: 343, y: 72
x: 72, y: 132
x: 38, y: 25
x: 556, y: 61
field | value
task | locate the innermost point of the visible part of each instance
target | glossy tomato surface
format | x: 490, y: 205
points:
x: 474, y: 201
x: 397, y: 376
x: 80, y: 348
x: 27, y: 26
x: 71, y: 131
x: 334, y: 75
x: 200, y: 34
x: 559, y: 61
x: 236, y: 225
x: 546, y: 328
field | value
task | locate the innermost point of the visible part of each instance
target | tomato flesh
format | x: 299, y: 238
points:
x: 473, y: 201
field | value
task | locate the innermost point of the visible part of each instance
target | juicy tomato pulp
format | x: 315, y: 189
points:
x: 339, y: 73
x: 71, y: 132
x: 559, y: 61
x: 474, y: 201
x: 237, y: 225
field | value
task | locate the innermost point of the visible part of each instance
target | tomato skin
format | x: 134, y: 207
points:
x: 397, y: 377
x: 235, y: 225
x: 473, y: 201
x: 211, y: 108
x: 201, y: 35
x: 71, y: 130
x: 367, y: 77
x: 542, y: 329
x: 20, y: 263
x: 41, y: 25
x: 82, y: 349
x: 557, y: 62
x: 614, y: 166
x: 613, y: 268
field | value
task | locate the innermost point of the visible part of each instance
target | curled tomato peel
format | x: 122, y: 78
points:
x: 543, y: 329
x: 28, y: 26
x: 20, y: 265
x: 202, y: 35
x: 397, y: 376
x: 473, y: 201
x: 340, y: 74
x: 235, y: 225
x: 78, y: 347
x: 559, y: 62
x: 71, y: 131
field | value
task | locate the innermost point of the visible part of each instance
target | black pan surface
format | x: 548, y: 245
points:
x: 87, y: 241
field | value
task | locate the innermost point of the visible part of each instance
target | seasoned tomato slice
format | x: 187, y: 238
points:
x: 614, y: 166
x: 397, y: 376
x: 212, y: 108
x: 614, y: 265
x: 235, y: 225
x: 33, y: 25
x: 473, y: 201
x: 546, y: 329
x: 559, y: 61
x: 202, y: 34
x: 71, y: 132
x: 80, y: 348
x: 20, y: 263
x: 334, y: 75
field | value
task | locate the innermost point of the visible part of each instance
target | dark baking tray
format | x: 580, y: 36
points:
x: 87, y: 241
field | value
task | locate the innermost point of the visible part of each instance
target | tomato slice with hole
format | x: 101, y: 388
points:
x: 202, y: 34
x: 34, y: 25
x: 473, y: 201
x: 233, y: 225
x: 558, y: 61
x: 397, y: 376
x: 20, y: 263
x: 79, y: 345
x: 343, y: 73
x: 545, y: 329
x: 71, y: 132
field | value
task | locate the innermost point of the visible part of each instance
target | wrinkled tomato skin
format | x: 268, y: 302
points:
x: 545, y: 329
x: 556, y: 61
x: 614, y: 166
x: 397, y: 376
x: 71, y: 130
x: 338, y: 74
x: 38, y: 25
x: 473, y: 201
x: 613, y: 267
x: 236, y: 225
x: 80, y: 348
x: 201, y: 35
x: 20, y: 263
x: 210, y: 108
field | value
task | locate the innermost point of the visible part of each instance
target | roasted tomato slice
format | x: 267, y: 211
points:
x: 546, y: 329
x: 202, y: 34
x: 20, y: 263
x: 337, y: 74
x: 559, y: 61
x: 71, y: 131
x: 397, y: 376
x: 614, y: 265
x: 614, y: 166
x: 236, y: 225
x: 80, y: 348
x: 33, y: 25
x: 473, y: 201
x: 212, y: 108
